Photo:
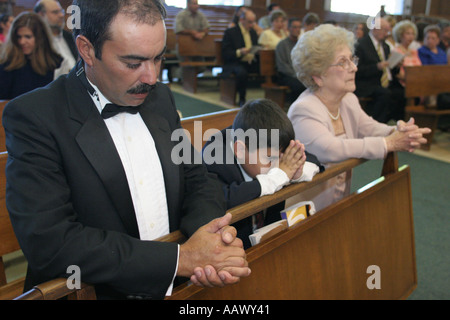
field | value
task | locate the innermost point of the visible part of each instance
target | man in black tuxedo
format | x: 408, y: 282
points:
x: 236, y: 52
x: 373, y: 77
x: 94, y: 189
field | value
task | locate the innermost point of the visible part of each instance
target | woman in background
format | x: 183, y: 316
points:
x: 328, y: 118
x: 405, y: 32
x: 269, y: 38
x: 27, y: 60
x: 430, y: 52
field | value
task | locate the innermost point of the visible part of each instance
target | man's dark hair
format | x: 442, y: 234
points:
x: 39, y: 7
x: 96, y: 17
x: 291, y: 20
x: 271, y: 6
x: 261, y: 114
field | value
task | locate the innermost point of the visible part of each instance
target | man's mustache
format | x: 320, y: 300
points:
x: 142, y: 88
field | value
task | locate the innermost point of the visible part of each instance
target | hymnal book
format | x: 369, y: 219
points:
x: 298, y: 212
x: 255, y: 49
x: 395, y: 58
x: 266, y: 232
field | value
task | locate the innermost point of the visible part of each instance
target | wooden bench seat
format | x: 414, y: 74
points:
x: 188, y: 50
x: 2, y: 130
x: 425, y: 81
x: 272, y: 90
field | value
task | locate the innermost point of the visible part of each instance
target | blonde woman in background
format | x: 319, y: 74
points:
x: 271, y: 37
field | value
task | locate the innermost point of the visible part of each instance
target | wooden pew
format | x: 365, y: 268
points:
x: 8, y: 241
x: 426, y: 81
x: 330, y: 254
x: 216, y: 120
x: 268, y: 70
x: 170, y: 57
x: 2, y: 130
x: 188, y: 48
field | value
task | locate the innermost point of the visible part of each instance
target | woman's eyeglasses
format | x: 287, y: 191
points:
x: 346, y: 63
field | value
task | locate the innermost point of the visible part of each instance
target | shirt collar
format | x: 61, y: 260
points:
x: 99, y: 99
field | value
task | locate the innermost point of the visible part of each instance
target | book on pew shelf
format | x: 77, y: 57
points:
x: 266, y: 232
x: 298, y: 212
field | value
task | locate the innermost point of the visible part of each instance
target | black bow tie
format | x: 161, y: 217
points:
x: 110, y: 110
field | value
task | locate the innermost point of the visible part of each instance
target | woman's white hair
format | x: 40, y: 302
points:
x: 316, y: 49
x: 401, y: 27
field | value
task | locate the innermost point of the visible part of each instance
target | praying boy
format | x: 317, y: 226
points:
x: 259, y: 167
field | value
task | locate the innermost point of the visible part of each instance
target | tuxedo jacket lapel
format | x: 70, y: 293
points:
x: 97, y: 145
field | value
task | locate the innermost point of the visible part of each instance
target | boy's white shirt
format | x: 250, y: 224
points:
x: 275, y: 178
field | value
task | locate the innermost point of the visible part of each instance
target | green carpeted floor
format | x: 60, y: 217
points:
x: 191, y: 107
x: 430, y: 190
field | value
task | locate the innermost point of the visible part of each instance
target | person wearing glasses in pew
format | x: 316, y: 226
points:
x: 90, y: 177
x: 328, y: 118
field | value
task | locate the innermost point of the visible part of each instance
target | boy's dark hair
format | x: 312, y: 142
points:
x: 97, y: 15
x: 264, y: 114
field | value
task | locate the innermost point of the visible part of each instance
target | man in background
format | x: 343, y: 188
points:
x: 239, y: 60
x: 286, y: 74
x: 52, y: 12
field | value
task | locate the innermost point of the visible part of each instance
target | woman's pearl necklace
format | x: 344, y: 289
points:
x: 333, y: 117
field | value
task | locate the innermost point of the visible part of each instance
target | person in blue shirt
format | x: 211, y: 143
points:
x: 430, y: 52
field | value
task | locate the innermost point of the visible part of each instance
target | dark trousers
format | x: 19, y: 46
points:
x: 294, y: 85
x: 241, y: 72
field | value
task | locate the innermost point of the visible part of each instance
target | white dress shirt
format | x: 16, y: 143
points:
x: 140, y: 160
x: 63, y: 49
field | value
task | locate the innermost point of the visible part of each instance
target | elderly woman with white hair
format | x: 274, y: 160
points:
x: 328, y: 118
x: 405, y: 32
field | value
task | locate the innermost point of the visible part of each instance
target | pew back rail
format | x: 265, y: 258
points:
x: 424, y: 81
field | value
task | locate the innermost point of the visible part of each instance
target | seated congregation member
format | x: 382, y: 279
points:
x: 191, y: 21
x: 238, y: 59
x: 404, y: 32
x: 360, y: 30
x: 264, y: 22
x: 269, y: 38
x: 52, y: 12
x: 430, y: 52
x: 91, y: 178
x: 250, y: 169
x: 328, y: 118
x: 285, y: 72
x: 235, y: 20
x: 309, y: 22
x: 374, y: 76
x: 28, y: 60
